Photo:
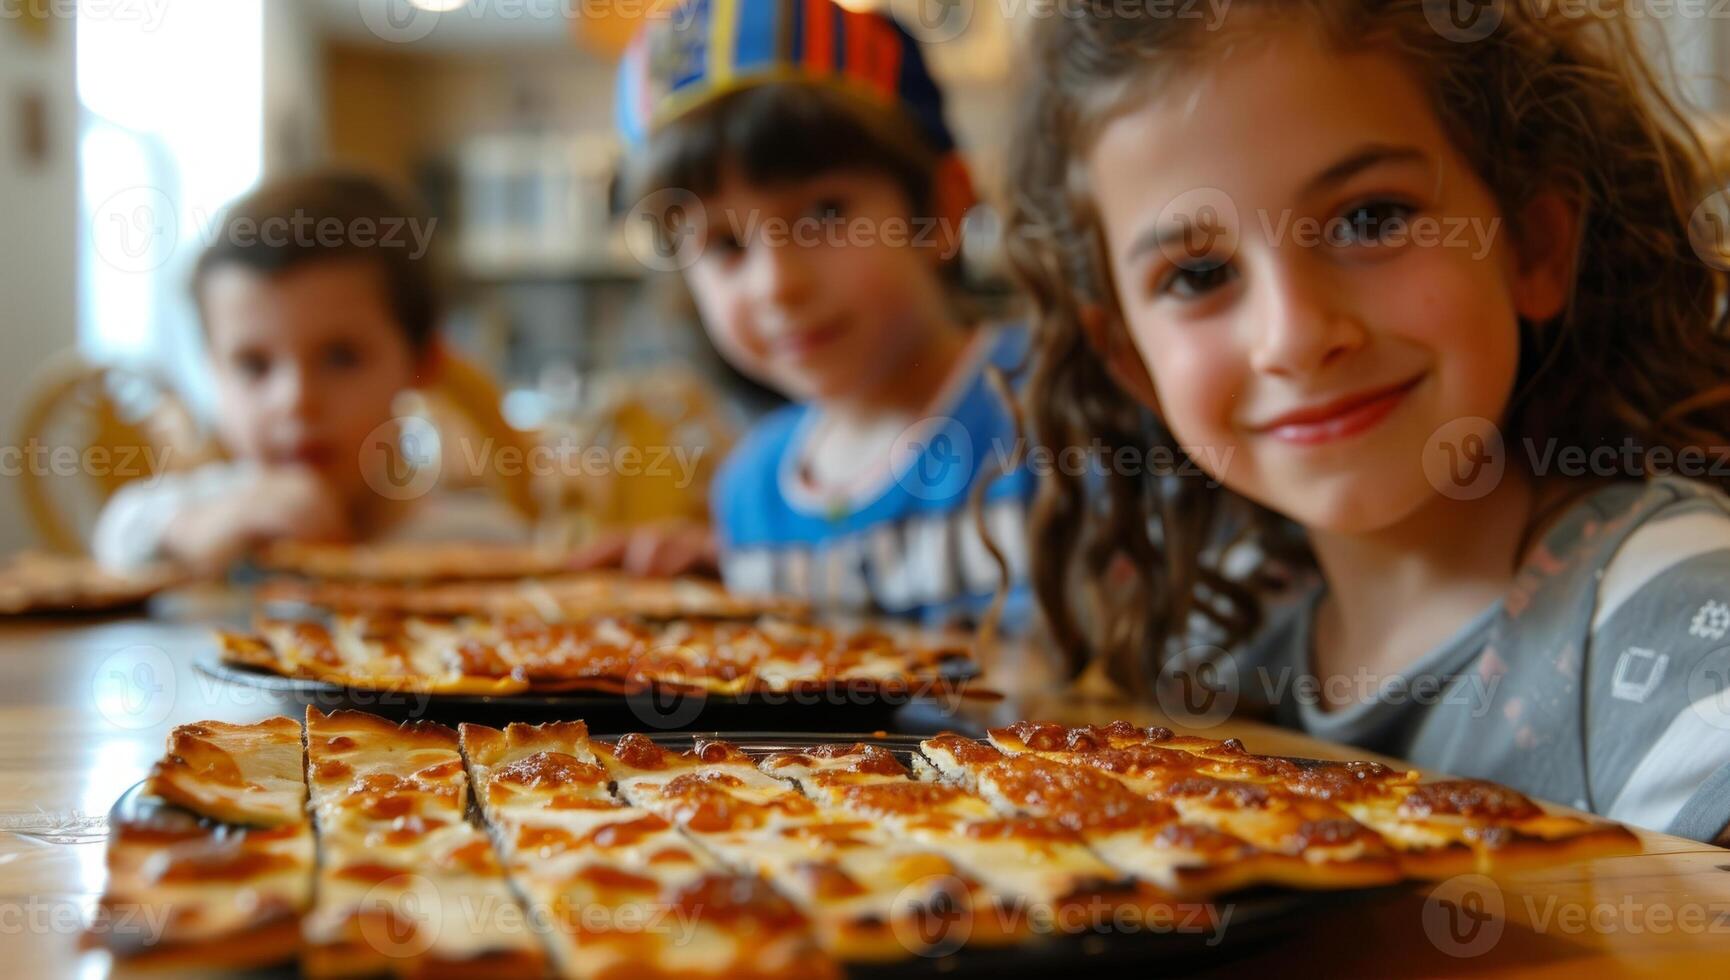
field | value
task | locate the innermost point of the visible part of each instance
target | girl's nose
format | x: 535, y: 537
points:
x: 295, y: 395
x: 1301, y: 325
x: 782, y: 272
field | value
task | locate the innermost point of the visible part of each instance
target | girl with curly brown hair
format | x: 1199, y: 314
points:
x: 1409, y: 289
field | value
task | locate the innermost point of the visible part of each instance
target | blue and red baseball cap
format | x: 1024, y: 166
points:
x: 708, y: 48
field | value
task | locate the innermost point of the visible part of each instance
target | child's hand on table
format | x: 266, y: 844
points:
x: 290, y: 502
x: 657, y: 550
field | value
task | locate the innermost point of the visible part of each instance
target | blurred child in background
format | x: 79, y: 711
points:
x: 801, y: 172
x: 319, y: 307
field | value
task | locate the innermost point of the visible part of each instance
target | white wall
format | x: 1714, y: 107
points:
x: 38, y: 232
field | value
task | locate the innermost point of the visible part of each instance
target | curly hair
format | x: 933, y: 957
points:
x: 1551, y: 100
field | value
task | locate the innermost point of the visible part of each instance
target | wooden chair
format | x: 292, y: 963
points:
x: 656, y: 413
x: 127, y: 423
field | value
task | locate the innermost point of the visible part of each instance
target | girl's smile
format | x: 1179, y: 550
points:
x: 1338, y: 418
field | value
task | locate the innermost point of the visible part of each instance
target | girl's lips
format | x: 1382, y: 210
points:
x: 1340, y: 419
x: 807, y: 342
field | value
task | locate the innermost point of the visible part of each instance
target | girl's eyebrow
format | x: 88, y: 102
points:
x: 1370, y: 155
x: 1361, y: 159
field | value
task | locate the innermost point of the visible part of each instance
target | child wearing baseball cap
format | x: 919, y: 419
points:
x: 794, y: 160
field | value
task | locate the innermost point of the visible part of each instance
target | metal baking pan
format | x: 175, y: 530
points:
x: 841, y: 707
x: 1252, y: 920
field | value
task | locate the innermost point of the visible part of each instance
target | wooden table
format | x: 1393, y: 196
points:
x: 85, y: 708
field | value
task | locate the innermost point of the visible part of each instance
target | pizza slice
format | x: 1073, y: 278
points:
x: 220, y: 879
x: 1138, y: 836
x: 1434, y: 830
x: 406, y: 885
x: 869, y: 895
x: 236, y: 774
x: 624, y: 892
x: 1036, y: 865
x: 378, y: 653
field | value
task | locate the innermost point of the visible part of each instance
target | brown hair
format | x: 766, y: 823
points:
x: 777, y: 132
x: 1545, y: 101
x: 367, y: 211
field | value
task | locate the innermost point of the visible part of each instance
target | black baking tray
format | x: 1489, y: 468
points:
x: 1257, y: 918
x: 840, y: 708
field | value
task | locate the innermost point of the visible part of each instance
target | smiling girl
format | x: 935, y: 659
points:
x: 1407, y: 279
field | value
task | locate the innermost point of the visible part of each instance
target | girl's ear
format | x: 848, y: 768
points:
x: 1545, y: 251
x: 1123, y: 362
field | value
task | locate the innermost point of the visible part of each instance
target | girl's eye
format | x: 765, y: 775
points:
x: 342, y: 357
x: 1196, y: 278
x: 252, y: 364
x: 725, y: 247
x: 827, y: 208
x: 1371, y: 223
